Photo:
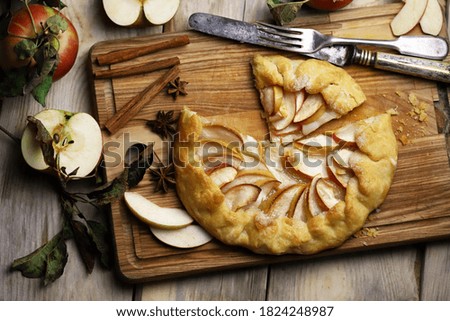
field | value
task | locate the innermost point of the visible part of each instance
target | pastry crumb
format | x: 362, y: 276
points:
x: 404, y: 139
x: 392, y: 111
x: 367, y: 231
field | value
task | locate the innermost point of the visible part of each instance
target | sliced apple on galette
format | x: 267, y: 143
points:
x: 303, y: 194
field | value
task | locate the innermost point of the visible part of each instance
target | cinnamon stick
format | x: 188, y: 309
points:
x: 137, y: 69
x: 132, y: 107
x: 131, y: 53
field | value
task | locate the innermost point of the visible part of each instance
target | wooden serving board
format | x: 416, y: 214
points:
x: 220, y: 86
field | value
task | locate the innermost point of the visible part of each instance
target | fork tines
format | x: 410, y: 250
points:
x: 283, y: 35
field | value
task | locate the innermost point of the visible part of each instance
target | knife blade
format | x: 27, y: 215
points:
x: 341, y: 55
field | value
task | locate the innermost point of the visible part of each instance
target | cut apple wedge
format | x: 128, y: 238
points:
x: 329, y: 193
x: 248, y: 179
x: 77, y: 140
x: 212, y: 162
x: 186, y: 237
x: 408, y: 17
x: 309, y: 107
x: 154, y: 215
x: 267, y: 100
x: 240, y: 196
x: 322, y: 143
x: 224, y: 175
x: 215, y: 147
x: 140, y: 12
x: 432, y: 19
x: 342, y: 156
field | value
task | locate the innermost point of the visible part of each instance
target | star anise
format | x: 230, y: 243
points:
x: 164, y: 176
x: 177, y: 87
x: 164, y: 125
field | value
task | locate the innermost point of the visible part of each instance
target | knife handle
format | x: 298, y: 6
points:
x: 418, y: 67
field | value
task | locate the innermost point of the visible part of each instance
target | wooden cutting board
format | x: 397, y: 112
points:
x: 417, y: 208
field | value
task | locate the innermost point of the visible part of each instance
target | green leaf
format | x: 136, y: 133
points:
x: 45, y: 140
x: 46, y: 262
x: 41, y: 91
x: 284, y: 11
x: 85, y: 246
x: 100, y: 236
x: 56, y: 261
x: 56, y: 24
x: 25, y: 49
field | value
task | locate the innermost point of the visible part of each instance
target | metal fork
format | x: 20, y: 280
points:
x: 303, y: 41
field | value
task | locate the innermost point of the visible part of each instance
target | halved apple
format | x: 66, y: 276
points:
x: 408, y: 17
x: 223, y: 175
x: 432, y: 19
x: 154, y: 215
x: 186, y: 237
x: 77, y: 140
x: 329, y: 192
x: 309, y: 107
x: 140, y: 12
x: 240, y: 196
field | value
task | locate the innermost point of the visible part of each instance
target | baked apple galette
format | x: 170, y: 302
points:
x: 326, y: 166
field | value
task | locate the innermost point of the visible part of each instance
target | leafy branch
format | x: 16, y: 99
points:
x: 92, y: 238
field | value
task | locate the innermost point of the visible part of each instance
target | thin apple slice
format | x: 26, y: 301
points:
x: 278, y: 94
x: 308, y: 164
x: 218, y: 132
x: 300, y: 97
x: 315, y: 204
x: 287, y: 111
x: 432, y: 19
x: 187, y: 237
x: 211, y: 161
x: 315, y: 144
x: 341, y: 174
x: 408, y: 17
x: 346, y: 134
x: 330, y: 193
x: 159, y: 12
x: 327, y: 116
x: 210, y: 147
x: 282, y: 203
x: 310, y: 106
x: 224, y: 175
x: 342, y: 156
x: 154, y: 215
x: 267, y: 100
x: 301, y: 210
x: 250, y: 178
x: 240, y: 196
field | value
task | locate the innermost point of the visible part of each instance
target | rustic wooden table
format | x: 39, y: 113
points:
x: 29, y: 210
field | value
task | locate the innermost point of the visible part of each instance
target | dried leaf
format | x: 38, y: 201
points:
x: 85, y: 246
x: 284, y: 11
x: 45, y: 140
x: 100, y: 236
x: 111, y: 191
x: 46, y: 262
x: 25, y: 49
x: 137, y: 169
x: 13, y: 82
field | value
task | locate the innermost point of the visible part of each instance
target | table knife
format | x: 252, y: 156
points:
x: 338, y: 55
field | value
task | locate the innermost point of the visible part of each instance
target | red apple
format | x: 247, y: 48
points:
x: 329, y: 5
x: 21, y: 27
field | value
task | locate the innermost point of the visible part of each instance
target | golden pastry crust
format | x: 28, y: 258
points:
x: 338, y: 88
x: 254, y: 229
x: 321, y: 221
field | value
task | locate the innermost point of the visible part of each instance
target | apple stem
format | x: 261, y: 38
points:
x: 7, y: 133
